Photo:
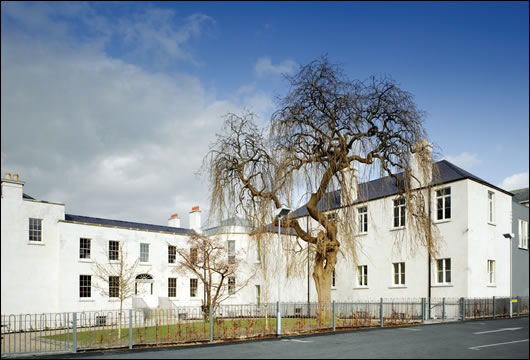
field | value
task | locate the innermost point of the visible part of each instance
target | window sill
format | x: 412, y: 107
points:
x: 522, y: 248
x: 491, y: 285
x: 114, y: 299
x: 114, y: 261
x: 257, y: 262
x: 144, y: 263
x: 398, y: 228
x: 492, y: 224
x: 87, y: 300
x: 363, y: 233
x: 172, y: 264
x: 397, y: 287
x: 333, y: 288
x: 86, y: 260
x: 360, y: 287
x: 442, y: 285
x: 39, y: 243
x: 442, y: 221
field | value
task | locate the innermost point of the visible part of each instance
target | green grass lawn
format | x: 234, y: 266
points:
x: 187, y: 331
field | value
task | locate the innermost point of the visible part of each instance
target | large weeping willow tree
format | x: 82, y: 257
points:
x: 324, y: 127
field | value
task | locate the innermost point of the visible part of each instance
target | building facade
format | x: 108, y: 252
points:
x: 48, y: 256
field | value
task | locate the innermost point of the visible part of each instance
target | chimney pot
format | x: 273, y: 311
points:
x: 8, y: 175
x: 195, y: 208
x: 174, y: 215
x: 15, y: 177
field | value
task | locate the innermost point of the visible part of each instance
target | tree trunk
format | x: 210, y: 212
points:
x: 322, y: 276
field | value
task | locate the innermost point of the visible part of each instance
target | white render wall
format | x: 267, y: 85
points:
x: 29, y: 269
x: 45, y: 277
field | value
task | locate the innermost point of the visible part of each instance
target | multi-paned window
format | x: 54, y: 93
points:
x: 114, y: 286
x: 144, y: 252
x: 231, y: 285
x: 363, y: 219
x: 491, y: 207
x: 193, y: 287
x: 523, y: 234
x: 258, y: 294
x: 491, y: 272
x: 114, y: 250
x: 399, y: 273
x: 362, y: 275
x: 333, y: 279
x: 193, y: 255
x: 399, y: 213
x: 443, y: 204
x: 172, y: 287
x: 258, y: 251
x: 35, y: 229
x: 85, y: 286
x: 443, y: 271
x: 231, y: 251
x: 84, y: 248
x: 171, y: 254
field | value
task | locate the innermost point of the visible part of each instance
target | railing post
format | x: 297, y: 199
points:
x: 494, y: 309
x: 381, y: 312
x: 278, y: 319
x: 462, y: 309
x: 130, y: 329
x: 443, y: 309
x: 211, y: 324
x: 429, y: 309
x: 74, y: 332
x: 333, y: 315
x: 422, y: 310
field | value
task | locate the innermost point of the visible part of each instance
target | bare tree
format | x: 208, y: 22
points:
x: 219, y: 270
x: 117, y: 277
x: 324, y: 127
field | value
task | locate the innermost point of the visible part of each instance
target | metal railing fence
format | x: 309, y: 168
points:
x: 92, y: 330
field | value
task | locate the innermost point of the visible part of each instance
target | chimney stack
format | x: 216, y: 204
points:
x: 421, y: 164
x: 174, y: 220
x: 195, y: 219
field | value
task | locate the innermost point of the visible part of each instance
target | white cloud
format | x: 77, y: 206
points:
x: 515, y: 181
x: 464, y: 160
x: 264, y: 66
x: 106, y: 137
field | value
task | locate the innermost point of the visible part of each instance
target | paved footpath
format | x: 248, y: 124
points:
x: 481, y: 339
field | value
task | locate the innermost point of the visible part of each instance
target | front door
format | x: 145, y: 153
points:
x: 145, y: 290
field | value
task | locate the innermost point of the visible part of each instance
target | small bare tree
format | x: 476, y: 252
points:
x: 326, y: 125
x: 207, y: 257
x: 117, y: 278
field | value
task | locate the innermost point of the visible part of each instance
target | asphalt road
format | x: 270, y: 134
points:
x: 487, y: 339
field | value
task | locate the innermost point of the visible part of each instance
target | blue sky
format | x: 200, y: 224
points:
x: 110, y: 107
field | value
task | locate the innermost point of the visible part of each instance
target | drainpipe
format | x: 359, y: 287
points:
x: 429, y: 254
x: 307, y: 231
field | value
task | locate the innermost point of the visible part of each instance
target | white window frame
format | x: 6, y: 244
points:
x: 169, y: 287
x: 491, y: 207
x: 443, y: 269
x: 440, y: 194
x: 87, y: 249
x: 35, y: 231
x: 196, y: 288
x: 114, y: 251
x: 171, y: 254
x: 491, y: 272
x: 401, y: 205
x: 82, y: 286
x: 362, y: 276
x: 144, y: 253
x: 112, y: 286
x: 362, y: 217
x: 400, y: 273
x: 258, y: 294
x: 231, y: 253
x: 231, y: 282
x: 523, y: 234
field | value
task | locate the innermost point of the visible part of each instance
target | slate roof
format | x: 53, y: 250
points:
x: 520, y: 195
x: 26, y: 196
x: 125, y: 224
x: 386, y: 186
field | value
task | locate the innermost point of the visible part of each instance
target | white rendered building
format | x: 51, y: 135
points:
x: 48, y: 255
